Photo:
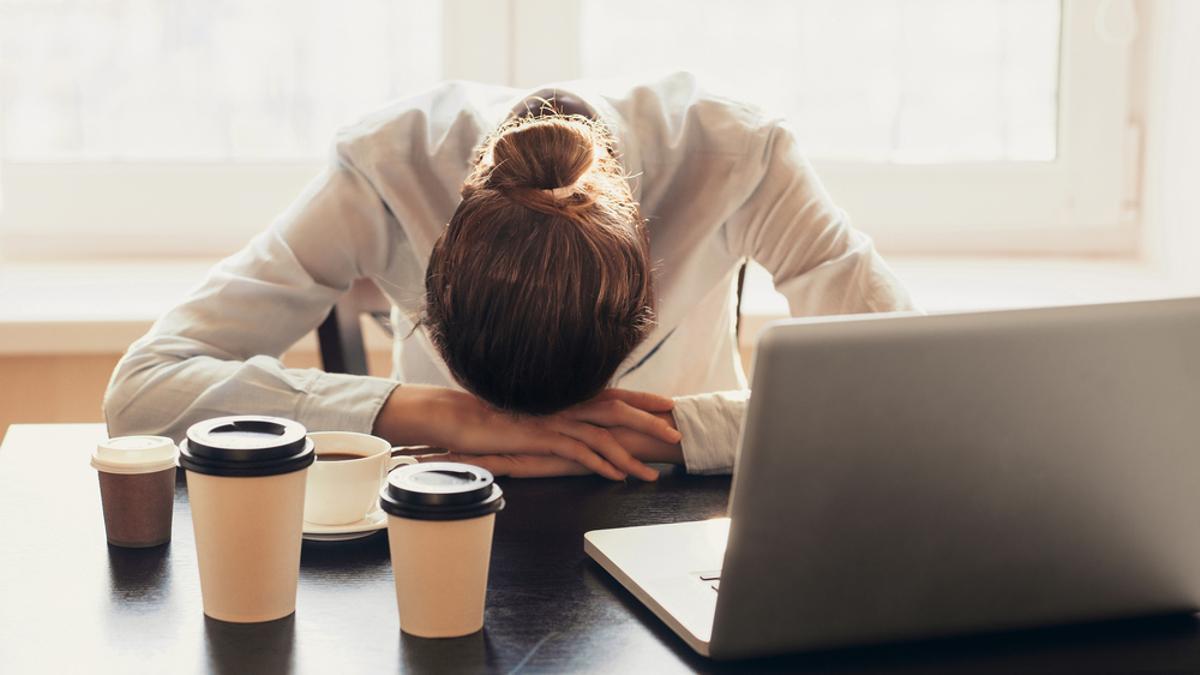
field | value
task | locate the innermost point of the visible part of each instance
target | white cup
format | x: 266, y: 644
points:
x: 346, y: 491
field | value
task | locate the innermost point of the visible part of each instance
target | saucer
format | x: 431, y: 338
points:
x: 374, y: 522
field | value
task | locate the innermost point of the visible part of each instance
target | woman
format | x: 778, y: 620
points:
x: 592, y: 242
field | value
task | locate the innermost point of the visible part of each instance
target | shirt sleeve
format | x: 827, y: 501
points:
x: 790, y: 225
x: 818, y: 261
x: 710, y: 424
x: 217, y: 352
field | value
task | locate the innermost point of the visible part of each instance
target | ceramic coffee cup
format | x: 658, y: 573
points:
x: 137, y: 489
x: 343, y: 485
x: 245, y: 477
x: 440, y: 521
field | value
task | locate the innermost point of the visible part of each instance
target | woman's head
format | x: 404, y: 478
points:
x: 541, y: 284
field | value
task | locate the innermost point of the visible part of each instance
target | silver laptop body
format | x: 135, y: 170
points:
x: 905, y: 477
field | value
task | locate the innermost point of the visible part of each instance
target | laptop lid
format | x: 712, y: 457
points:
x: 913, y: 477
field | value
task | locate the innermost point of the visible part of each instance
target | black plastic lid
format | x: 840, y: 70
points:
x: 440, y: 491
x: 246, y: 445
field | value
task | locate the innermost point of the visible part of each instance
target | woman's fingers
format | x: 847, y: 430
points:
x: 577, y: 435
x: 642, y: 400
x: 592, y: 451
x: 578, y: 450
x: 533, y: 466
x: 601, y: 441
x: 498, y: 465
x: 647, y: 448
x: 521, y: 466
x: 617, y: 413
x: 503, y: 434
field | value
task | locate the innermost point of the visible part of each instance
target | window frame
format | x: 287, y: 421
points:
x: 1083, y: 202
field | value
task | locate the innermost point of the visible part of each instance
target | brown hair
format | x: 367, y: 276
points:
x: 533, y: 297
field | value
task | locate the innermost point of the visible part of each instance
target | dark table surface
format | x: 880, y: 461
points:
x: 70, y: 603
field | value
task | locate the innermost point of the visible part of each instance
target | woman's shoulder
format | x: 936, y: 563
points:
x: 447, y: 119
x: 678, y: 110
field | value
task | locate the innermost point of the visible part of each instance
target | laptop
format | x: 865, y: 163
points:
x: 911, y: 477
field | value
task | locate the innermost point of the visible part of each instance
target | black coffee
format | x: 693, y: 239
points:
x: 337, y: 457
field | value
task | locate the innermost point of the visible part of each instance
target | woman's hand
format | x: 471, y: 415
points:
x: 585, y: 434
x: 517, y: 466
x: 643, y: 447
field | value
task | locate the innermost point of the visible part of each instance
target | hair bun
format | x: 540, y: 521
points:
x: 543, y: 155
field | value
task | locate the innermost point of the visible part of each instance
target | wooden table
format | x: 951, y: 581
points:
x: 70, y: 604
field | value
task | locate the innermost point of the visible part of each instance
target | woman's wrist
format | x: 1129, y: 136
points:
x: 446, y: 418
x: 410, y: 416
x: 648, y: 449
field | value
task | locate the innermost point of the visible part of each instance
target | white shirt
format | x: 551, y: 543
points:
x: 718, y: 181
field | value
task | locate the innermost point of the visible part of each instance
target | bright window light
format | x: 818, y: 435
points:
x: 940, y: 126
x: 906, y: 81
x: 213, y: 80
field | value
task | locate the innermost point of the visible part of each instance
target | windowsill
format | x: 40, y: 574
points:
x: 90, y: 307
x: 101, y: 307
x: 954, y: 284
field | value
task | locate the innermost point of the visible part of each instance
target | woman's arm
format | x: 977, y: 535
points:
x: 217, y: 352
x: 651, y: 438
x: 601, y: 435
x: 789, y: 224
x: 818, y: 261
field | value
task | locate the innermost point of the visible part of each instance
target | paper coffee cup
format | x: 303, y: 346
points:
x: 440, y: 521
x: 137, y: 489
x: 245, y: 478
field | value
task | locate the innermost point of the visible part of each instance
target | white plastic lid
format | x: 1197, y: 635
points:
x: 135, y: 454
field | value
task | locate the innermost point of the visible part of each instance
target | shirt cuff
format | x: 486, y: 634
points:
x: 710, y: 425
x: 342, y: 402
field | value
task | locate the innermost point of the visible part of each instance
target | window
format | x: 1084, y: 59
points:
x: 954, y: 125
x: 864, y: 80
x: 150, y: 120
x: 130, y: 81
x: 938, y: 125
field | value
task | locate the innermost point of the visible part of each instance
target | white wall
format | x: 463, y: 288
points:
x: 1171, y: 188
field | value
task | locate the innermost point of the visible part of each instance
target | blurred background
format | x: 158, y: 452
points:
x: 1002, y: 153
